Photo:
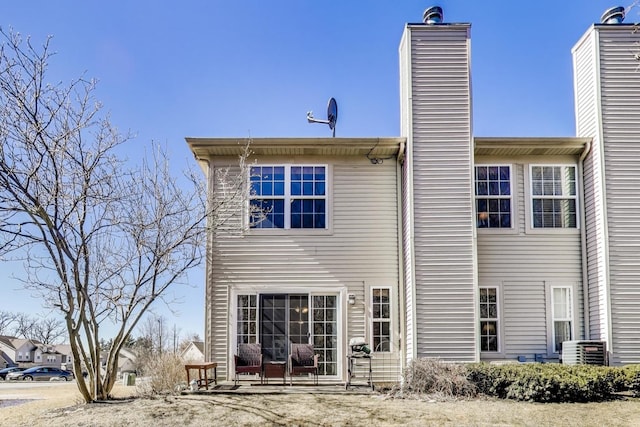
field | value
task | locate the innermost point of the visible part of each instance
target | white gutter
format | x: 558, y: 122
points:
x: 583, y: 243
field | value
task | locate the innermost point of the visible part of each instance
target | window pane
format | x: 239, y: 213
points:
x: 278, y: 173
x: 267, y: 189
x: 307, y: 188
x: 504, y: 173
x: 278, y: 189
x: 296, y: 173
x: 505, y: 188
x: 481, y: 173
x: 494, y: 188
x: 562, y: 332
x: 296, y: 188
x: 493, y: 173
x: 307, y: 173
x: 296, y: 206
x: 484, y: 311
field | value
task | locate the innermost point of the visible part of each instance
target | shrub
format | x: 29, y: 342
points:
x: 434, y: 377
x: 631, y: 377
x: 548, y: 382
x: 165, y: 374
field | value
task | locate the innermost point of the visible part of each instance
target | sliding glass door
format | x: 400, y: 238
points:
x: 295, y: 318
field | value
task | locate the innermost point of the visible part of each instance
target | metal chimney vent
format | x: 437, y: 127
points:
x: 433, y: 15
x: 615, y: 15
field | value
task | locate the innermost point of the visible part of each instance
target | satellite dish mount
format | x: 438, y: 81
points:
x: 332, y: 116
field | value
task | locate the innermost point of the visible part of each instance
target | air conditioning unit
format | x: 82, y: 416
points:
x: 584, y: 353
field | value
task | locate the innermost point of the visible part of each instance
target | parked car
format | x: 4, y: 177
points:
x: 40, y: 373
x: 5, y: 371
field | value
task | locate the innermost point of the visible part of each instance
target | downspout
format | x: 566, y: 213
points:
x: 401, y: 290
x: 583, y: 242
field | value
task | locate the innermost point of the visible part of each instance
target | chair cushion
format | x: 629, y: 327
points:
x: 303, y: 355
x: 249, y: 355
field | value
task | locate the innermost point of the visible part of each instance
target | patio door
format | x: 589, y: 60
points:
x: 284, y: 319
x: 298, y: 318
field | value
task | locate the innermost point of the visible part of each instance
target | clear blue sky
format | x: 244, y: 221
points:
x: 253, y: 68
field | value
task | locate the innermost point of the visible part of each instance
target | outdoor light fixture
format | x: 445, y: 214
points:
x: 351, y: 299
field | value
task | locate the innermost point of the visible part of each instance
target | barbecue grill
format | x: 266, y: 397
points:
x: 359, y: 359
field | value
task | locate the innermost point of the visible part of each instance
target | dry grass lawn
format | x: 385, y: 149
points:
x: 60, y: 405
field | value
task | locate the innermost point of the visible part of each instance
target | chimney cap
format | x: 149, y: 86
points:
x: 615, y: 15
x: 432, y: 15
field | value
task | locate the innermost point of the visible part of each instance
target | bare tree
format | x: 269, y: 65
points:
x: 101, y: 240
x: 48, y: 330
x: 23, y: 325
x: 155, y: 330
x: 6, y: 321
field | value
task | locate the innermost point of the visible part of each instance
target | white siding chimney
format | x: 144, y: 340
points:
x: 607, y: 102
x: 438, y: 240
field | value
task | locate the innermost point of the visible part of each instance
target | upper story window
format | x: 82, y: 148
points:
x: 493, y: 196
x: 554, y: 197
x: 289, y: 196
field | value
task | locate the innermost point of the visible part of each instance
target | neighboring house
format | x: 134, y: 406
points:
x: 51, y: 355
x: 126, y: 360
x: 26, y: 353
x: 18, y: 351
x: 436, y: 243
x: 193, y: 352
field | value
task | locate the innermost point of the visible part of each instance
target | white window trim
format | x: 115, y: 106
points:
x: 288, y: 197
x: 572, y: 317
x: 497, y: 319
x: 510, y: 197
x: 529, y: 200
x: 392, y: 316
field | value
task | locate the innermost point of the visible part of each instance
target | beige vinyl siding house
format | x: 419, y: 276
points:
x: 441, y: 249
x: 607, y: 70
x: 435, y: 243
x: 354, y: 254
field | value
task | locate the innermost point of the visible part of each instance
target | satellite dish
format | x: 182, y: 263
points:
x: 332, y: 116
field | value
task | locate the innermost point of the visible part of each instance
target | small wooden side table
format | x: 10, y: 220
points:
x: 275, y: 370
x: 203, y: 369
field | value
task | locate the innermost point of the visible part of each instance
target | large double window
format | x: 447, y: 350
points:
x: 493, y: 196
x: 289, y: 196
x: 554, y: 196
